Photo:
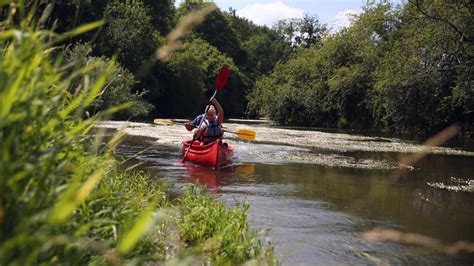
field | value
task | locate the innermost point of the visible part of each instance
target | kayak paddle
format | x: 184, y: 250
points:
x: 246, y: 134
x: 221, y: 80
x: 165, y: 122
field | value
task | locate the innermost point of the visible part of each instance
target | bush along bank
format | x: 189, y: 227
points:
x: 63, y: 199
x: 395, y: 68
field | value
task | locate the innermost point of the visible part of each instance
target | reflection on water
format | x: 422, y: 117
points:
x: 210, y: 178
x: 316, y: 213
x: 213, y: 179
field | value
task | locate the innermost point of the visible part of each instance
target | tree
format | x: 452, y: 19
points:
x: 293, y: 94
x: 328, y: 84
x: 265, y: 51
x: 129, y: 33
x: 118, y: 88
x: 263, y: 46
x: 162, y: 13
x: 302, y: 32
x: 195, y: 70
x: 67, y: 15
x: 217, y: 31
x: 405, y: 68
x: 421, y: 83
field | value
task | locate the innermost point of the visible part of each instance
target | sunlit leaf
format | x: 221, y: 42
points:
x: 144, y: 223
x: 74, y: 196
x: 80, y: 30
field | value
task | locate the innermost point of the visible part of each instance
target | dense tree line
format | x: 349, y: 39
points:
x: 403, y: 68
x: 135, y: 29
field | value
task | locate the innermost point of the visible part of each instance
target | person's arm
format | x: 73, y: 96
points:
x: 193, y: 124
x: 220, y: 111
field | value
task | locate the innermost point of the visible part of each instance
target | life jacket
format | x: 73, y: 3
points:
x: 213, y: 131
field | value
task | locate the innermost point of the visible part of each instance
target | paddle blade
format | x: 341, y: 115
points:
x: 164, y: 122
x: 223, y: 77
x: 246, y: 134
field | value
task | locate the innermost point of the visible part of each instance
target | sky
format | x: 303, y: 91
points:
x: 334, y: 13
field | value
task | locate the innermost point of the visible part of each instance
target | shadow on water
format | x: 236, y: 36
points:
x: 315, y: 213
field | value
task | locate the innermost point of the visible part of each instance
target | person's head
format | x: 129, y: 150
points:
x: 211, y: 113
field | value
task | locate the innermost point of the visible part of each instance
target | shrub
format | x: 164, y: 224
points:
x: 118, y: 87
x: 129, y: 33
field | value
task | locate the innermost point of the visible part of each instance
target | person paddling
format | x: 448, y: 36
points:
x: 211, y: 128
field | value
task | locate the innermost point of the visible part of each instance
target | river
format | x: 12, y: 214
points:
x: 318, y: 191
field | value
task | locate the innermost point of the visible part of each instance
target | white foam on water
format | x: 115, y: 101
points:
x: 458, y: 184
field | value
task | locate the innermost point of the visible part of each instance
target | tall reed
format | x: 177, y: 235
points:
x: 59, y: 198
x: 63, y: 198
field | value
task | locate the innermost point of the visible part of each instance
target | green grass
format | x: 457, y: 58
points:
x: 63, y: 197
x: 220, y: 232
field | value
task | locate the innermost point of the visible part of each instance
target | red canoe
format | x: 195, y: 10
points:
x: 215, y: 154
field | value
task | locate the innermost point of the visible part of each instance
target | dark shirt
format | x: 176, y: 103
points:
x: 197, y: 120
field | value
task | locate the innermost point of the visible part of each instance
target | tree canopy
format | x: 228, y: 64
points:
x: 404, y: 68
x: 401, y: 68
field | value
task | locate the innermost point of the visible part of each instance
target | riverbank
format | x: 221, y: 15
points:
x: 149, y: 227
x: 65, y: 198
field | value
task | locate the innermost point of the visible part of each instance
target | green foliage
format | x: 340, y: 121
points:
x: 67, y: 15
x: 265, y: 51
x: 162, y: 13
x: 301, y: 32
x: 264, y: 46
x: 423, y: 73
x: 186, y: 96
x: 217, y: 31
x: 219, y: 231
x: 405, y: 68
x: 63, y: 198
x: 134, y: 29
x: 49, y: 166
x: 284, y: 95
x: 401, y: 68
x: 118, y: 86
x: 124, y: 208
x: 129, y: 33
x: 196, y: 68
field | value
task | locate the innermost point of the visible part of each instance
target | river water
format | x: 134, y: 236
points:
x: 317, y: 199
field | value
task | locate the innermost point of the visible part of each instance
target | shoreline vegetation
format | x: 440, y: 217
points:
x: 396, y: 68
x: 63, y: 196
x: 399, y: 68
x: 67, y: 66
